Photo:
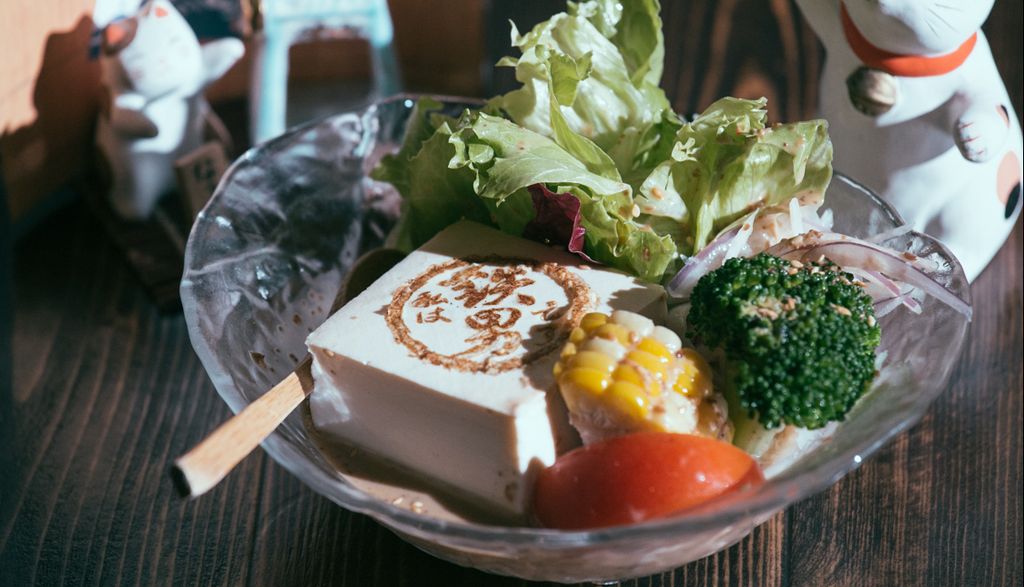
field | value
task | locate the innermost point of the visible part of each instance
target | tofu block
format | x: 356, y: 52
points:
x: 443, y: 365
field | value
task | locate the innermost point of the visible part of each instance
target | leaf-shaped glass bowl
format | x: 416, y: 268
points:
x: 272, y: 247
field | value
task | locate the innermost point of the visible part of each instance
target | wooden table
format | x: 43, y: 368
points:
x: 106, y: 391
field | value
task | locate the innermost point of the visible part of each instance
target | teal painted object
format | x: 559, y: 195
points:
x: 284, y: 23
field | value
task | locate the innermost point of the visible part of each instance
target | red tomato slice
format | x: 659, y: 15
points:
x: 637, y: 477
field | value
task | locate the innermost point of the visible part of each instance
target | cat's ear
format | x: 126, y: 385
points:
x: 118, y: 35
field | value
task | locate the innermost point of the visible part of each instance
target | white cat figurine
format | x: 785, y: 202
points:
x: 918, y: 112
x: 155, y: 71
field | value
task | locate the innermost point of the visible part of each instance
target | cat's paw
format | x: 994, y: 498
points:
x: 980, y: 133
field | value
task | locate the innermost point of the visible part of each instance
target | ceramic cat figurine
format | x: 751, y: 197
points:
x: 155, y: 71
x: 918, y: 112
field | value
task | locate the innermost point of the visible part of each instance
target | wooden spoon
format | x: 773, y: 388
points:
x: 198, y: 470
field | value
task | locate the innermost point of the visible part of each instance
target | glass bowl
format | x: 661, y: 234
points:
x: 290, y: 218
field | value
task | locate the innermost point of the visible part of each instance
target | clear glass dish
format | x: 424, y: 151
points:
x: 272, y: 247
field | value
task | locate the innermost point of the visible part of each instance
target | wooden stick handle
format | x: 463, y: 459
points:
x: 198, y: 470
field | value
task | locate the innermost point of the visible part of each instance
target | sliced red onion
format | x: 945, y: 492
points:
x: 798, y: 243
x: 888, y: 234
x: 887, y: 305
x: 913, y: 305
x: 700, y: 264
x: 878, y: 286
x: 726, y: 245
x: 849, y: 252
x: 884, y: 307
x: 884, y: 281
x: 746, y: 228
x: 815, y: 238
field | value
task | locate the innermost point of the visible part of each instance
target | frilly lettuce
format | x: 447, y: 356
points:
x: 434, y: 195
x: 507, y: 159
x: 591, y: 123
x: 726, y: 162
x: 602, y: 60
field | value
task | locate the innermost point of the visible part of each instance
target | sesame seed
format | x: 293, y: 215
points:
x: 871, y: 321
x: 796, y: 264
x: 841, y: 310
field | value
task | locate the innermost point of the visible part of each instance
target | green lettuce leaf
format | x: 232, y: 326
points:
x: 591, y: 123
x: 434, y: 196
x: 507, y: 159
x: 623, y: 48
x: 635, y: 28
x: 726, y: 162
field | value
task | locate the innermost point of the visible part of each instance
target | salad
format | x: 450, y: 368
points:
x: 775, y: 319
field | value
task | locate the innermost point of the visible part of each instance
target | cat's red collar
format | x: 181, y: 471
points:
x: 898, y: 64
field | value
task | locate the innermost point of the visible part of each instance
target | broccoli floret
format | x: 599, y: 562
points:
x: 798, y: 339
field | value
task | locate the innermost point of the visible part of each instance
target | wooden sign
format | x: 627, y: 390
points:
x: 198, y: 173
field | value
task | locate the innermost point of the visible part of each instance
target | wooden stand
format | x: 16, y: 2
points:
x: 155, y: 248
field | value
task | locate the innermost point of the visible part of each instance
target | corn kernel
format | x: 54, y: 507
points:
x: 592, y: 320
x: 614, y: 332
x: 641, y: 325
x: 613, y: 349
x: 691, y: 381
x: 593, y: 360
x: 684, y: 384
x: 588, y: 380
x: 557, y: 369
x: 629, y: 374
x: 628, y: 399
x: 666, y: 337
x: 577, y: 335
x: 698, y: 361
x: 655, y: 348
x: 653, y: 365
x: 568, y: 350
x: 697, y: 372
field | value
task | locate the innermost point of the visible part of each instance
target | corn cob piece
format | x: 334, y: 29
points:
x: 620, y: 374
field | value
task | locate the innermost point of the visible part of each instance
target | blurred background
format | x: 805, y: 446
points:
x: 50, y: 90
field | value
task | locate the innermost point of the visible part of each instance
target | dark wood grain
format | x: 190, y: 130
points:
x: 740, y: 48
x: 106, y: 391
